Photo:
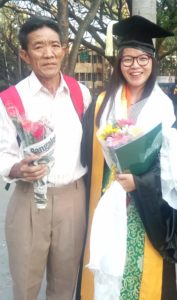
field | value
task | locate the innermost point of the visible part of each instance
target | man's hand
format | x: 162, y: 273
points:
x: 126, y: 181
x: 27, y: 171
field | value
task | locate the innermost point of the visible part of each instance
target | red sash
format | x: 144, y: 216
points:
x: 11, y: 96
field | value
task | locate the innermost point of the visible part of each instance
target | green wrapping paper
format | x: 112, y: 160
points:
x: 136, y: 156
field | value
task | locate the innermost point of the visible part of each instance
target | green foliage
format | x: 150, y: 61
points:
x: 167, y: 48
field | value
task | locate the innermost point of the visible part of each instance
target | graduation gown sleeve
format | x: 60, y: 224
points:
x: 159, y: 219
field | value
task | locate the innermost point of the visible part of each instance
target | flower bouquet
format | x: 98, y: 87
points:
x: 35, y: 138
x: 127, y: 148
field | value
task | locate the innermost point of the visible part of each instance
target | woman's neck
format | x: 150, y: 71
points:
x: 135, y: 94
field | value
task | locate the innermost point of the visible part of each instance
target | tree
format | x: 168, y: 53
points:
x: 81, y: 30
x: 87, y: 20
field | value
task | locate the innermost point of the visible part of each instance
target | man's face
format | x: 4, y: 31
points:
x: 44, y: 53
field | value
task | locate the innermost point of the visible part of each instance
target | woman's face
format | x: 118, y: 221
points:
x: 136, y: 67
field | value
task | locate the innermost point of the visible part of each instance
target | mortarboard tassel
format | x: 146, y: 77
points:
x: 109, y: 39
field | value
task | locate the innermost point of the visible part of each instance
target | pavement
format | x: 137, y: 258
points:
x: 5, y: 278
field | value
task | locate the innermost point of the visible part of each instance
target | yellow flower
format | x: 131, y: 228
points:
x: 107, y: 131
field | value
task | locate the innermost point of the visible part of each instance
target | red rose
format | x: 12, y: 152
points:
x: 38, y: 131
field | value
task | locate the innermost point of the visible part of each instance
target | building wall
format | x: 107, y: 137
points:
x: 92, y: 69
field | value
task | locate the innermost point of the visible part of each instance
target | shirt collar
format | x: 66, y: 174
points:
x: 34, y: 83
x: 36, y: 86
x: 63, y: 85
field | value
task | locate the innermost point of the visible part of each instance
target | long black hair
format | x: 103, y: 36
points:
x: 117, y: 79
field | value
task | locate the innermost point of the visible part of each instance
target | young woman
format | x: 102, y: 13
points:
x: 151, y: 231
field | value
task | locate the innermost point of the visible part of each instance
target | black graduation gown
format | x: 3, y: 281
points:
x: 159, y: 219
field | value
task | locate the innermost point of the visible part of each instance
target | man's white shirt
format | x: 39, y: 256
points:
x: 38, y: 103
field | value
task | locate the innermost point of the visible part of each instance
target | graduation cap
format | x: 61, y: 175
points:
x: 137, y: 32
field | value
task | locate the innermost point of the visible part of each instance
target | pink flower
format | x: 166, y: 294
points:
x: 117, y: 140
x: 38, y: 131
x: 124, y: 122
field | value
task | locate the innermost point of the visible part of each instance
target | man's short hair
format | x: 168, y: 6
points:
x: 34, y: 23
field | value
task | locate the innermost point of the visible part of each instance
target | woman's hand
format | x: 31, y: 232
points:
x: 27, y: 171
x: 126, y: 181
